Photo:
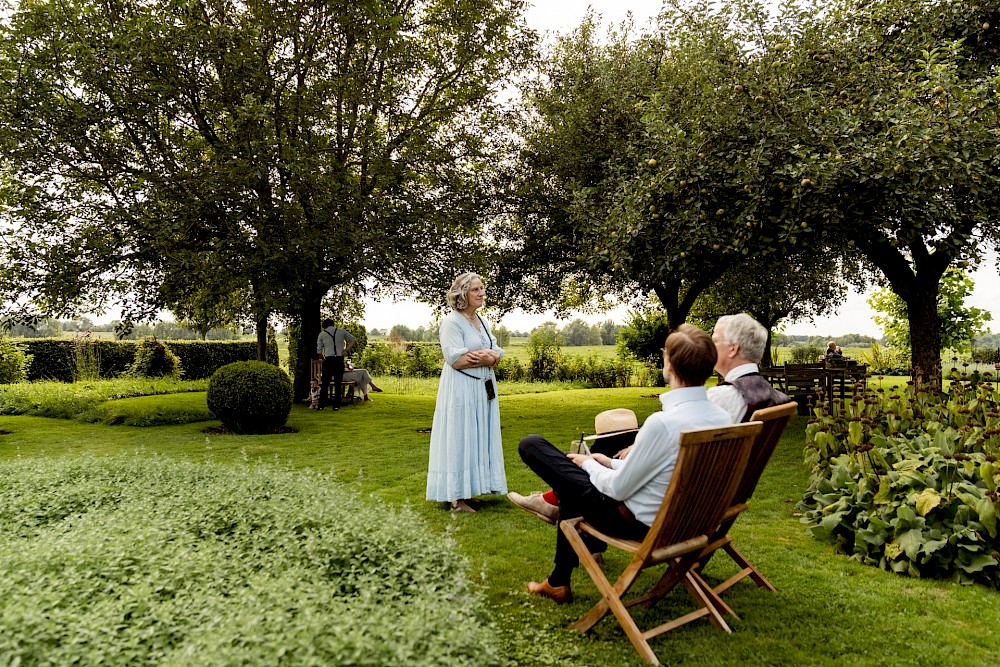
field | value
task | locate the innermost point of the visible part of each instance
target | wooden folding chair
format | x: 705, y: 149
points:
x: 773, y: 421
x: 709, y: 467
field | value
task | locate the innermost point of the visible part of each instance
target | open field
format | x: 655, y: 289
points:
x: 828, y: 610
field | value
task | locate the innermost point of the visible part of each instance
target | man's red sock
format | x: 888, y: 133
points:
x: 550, y: 497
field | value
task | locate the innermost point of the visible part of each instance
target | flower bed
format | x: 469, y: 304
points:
x: 906, y: 479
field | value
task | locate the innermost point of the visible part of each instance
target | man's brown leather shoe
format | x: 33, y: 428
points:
x: 558, y: 594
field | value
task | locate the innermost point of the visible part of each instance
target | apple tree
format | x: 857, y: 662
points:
x: 276, y: 147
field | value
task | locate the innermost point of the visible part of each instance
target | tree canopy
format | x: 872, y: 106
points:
x: 865, y: 132
x: 155, y: 150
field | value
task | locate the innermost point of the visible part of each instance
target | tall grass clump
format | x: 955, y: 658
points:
x: 86, y: 358
x: 137, y: 560
x: 154, y: 358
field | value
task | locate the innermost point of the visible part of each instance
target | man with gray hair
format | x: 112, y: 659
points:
x: 740, y: 341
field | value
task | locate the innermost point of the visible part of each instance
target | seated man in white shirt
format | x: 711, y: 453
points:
x: 740, y: 341
x: 621, y: 497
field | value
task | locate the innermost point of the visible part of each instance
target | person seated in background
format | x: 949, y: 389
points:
x: 363, y: 378
x: 313, y: 400
x: 832, y: 351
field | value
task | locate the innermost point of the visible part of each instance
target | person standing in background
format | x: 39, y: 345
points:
x: 332, y: 345
x: 466, y: 456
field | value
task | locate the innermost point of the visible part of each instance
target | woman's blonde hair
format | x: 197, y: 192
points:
x: 458, y: 295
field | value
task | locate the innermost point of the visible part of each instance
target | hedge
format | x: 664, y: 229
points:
x: 53, y: 358
x: 138, y: 560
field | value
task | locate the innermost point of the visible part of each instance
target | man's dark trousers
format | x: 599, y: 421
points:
x: 332, y: 366
x: 577, y: 497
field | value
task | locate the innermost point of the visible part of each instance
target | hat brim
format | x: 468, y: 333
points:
x: 610, y: 434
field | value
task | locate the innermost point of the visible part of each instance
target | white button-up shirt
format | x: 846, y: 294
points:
x: 641, y: 479
x: 728, y: 396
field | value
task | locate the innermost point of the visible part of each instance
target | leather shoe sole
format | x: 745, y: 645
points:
x: 558, y: 594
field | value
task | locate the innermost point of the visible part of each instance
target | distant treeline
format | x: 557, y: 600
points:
x: 53, y: 328
x: 573, y: 334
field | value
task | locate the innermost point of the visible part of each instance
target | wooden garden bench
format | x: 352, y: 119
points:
x: 347, y: 386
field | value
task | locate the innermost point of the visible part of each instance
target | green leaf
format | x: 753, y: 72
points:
x: 987, y: 470
x: 977, y: 563
x: 885, y: 493
x: 855, y: 432
x: 927, y: 500
x: 910, y: 541
x: 987, y: 515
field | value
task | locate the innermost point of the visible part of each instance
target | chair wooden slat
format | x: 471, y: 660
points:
x: 709, y: 468
x: 773, y: 422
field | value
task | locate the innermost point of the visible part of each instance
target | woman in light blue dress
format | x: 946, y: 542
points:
x: 466, y: 457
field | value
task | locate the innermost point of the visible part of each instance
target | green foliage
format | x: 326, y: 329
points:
x: 379, y: 451
x: 578, y: 333
x: 14, y: 362
x: 86, y: 358
x: 292, y: 334
x: 805, y: 354
x: 357, y: 329
x: 609, y: 332
x: 56, y: 359
x: 149, y: 411
x: 503, y: 336
x: 886, y: 360
x: 201, y: 358
x: 544, y: 352
x: 643, y: 336
x: 153, y: 359
x: 907, y: 480
x: 510, y: 369
x: 225, y: 168
x: 82, y: 400
x: 250, y: 396
x: 594, y: 371
x: 400, y: 358
x: 142, y: 561
x: 985, y: 355
x: 960, y: 324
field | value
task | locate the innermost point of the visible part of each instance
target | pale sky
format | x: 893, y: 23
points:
x: 854, y: 316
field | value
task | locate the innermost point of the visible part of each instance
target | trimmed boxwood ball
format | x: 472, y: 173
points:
x: 250, y: 396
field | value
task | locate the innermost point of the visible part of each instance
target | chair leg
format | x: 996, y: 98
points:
x: 699, y: 595
x: 611, y: 596
x: 716, y: 601
x: 747, y: 570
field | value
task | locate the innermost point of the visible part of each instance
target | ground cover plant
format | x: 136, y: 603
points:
x: 77, y: 400
x: 906, y: 479
x: 824, y: 602
x: 139, y: 560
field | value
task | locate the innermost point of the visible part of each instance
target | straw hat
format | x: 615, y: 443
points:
x: 613, y: 422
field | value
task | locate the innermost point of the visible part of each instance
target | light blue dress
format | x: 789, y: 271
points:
x: 466, y: 457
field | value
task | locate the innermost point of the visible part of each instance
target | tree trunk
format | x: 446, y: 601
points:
x: 925, y: 335
x: 262, y: 337
x: 309, y: 324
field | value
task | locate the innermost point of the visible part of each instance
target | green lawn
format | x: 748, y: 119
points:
x: 828, y: 610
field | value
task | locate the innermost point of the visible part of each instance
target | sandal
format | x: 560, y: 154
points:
x: 461, y: 506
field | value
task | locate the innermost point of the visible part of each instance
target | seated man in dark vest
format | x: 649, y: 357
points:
x: 740, y: 341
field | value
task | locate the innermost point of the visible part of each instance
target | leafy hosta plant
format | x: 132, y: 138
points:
x: 906, y: 479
